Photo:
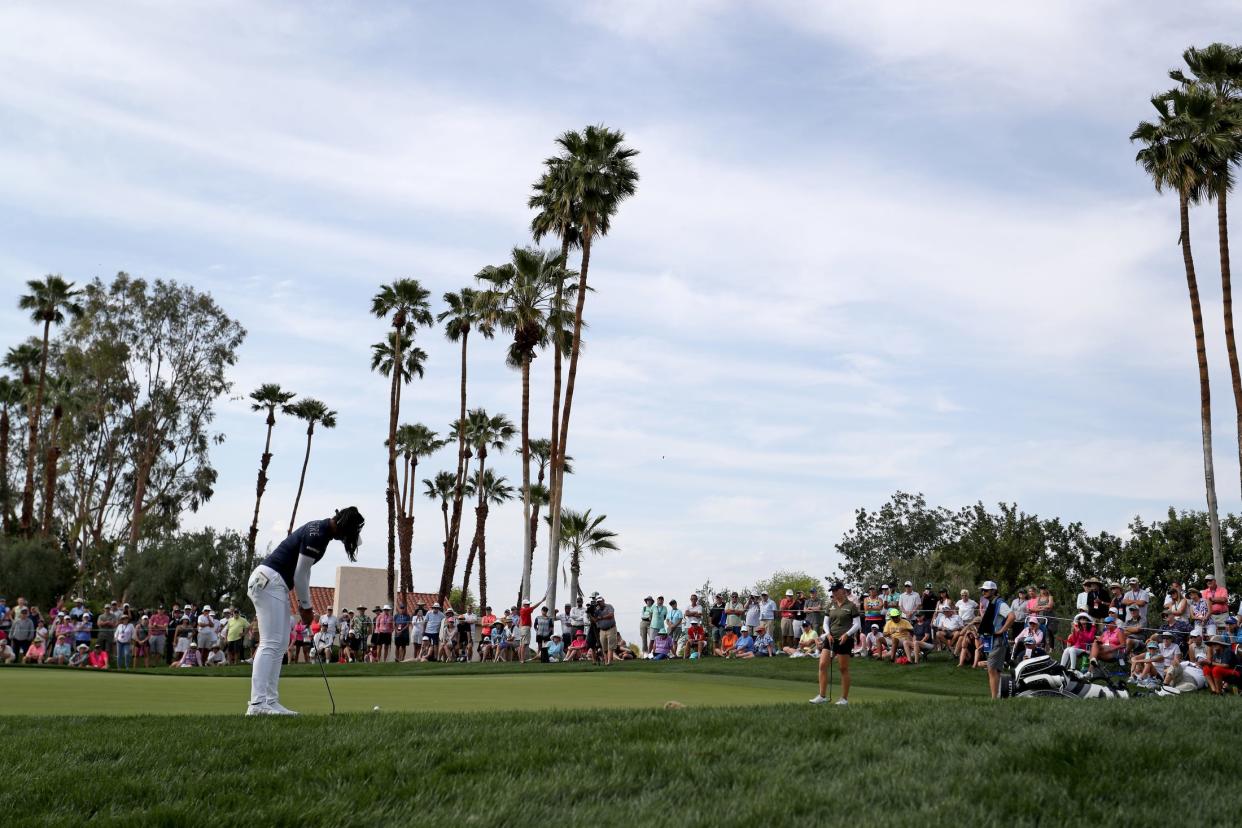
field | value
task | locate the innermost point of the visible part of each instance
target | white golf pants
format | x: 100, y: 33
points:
x: 271, y: 604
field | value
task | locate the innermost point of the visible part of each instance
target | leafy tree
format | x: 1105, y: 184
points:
x: 1175, y: 153
x: 463, y: 316
x: 782, y: 580
x: 49, y: 301
x: 521, y: 298
x: 585, y: 184
x: 405, y: 300
x: 312, y: 412
x: 35, y: 568
x: 203, y: 566
x: 267, y: 397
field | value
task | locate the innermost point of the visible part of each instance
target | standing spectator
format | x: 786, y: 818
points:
x: 401, y: 632
x: 5, y: 620
x: 142, y: 641
x: 157, y: 625
x: 606, y: 623
x: 1116, y: 594
x: 694, y: 611
x: 716, y: 616
x: 578, y: 618
x: 567, y: 626
x: 431, y: 629
x: 873, y: 608
x: 1217, y: 598
x: 1136, y: 596
x: 383, y: 631
x: 106, y: 626
x: 786, y: 610
x: 767, y: 612
x: 234, y: 636
x: 124, y: 637
x: 799, y: 613
x: 1020, y: 609
x: 64, y: 626
x: 205, y: 633
x: 735, y: 612
x: 418, y: 629
x: 83, y: 630
x: 967, y: 608
x: 1098, y: 600
x: 543, y: 633
x: 360, y: 633
x: 22, y: 633
x: 644, y: 624
x: 79, y: 608
x: 995, y: 619
x: 1176, y: 603
x: 814, y: 609
x: 674, y: 621
x: 752, y: 620
x: 1043, y: 605
x: 909, y: 601
x: 1199, y: 615
x: 659, y: 614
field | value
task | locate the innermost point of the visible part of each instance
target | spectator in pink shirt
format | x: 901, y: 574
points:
x: 382, y: 635
x: 1110, y: 644
x: 1217, y: 598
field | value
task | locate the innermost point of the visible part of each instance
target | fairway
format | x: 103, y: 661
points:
x: 66, y: 692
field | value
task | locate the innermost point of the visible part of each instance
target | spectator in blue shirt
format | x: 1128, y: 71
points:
x: 745, y: 647
x: 764, y: 645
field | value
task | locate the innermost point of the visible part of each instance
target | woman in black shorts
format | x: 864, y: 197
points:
x: 844, y: 622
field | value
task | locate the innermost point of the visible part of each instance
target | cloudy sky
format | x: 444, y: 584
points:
x: 876, y: 246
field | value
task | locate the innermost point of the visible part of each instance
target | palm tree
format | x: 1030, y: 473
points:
x: 60, y: 394
x: 11, y: 395
x: 413, y: 442
x: 463, y: 315
x: 521, y: 294
x: 48, y: 302
x: 581, y: 533
x: 1172, y: 154
x: 481, y: 433
x: 406, y: 301
x: 441, y: 488
x: 541, y: 453
x: 267, y: 397
x: 22, y: 359
x: 591, y: 176
x: 1218, y: 69
x: 312, y: 412
x: 490, y: 491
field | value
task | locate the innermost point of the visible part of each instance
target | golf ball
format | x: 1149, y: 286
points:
x: 375, y: 709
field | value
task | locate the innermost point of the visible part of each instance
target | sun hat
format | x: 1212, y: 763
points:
x: 1151, y: 645
x: 1166, y: 634
x: 387, y: 607
x: 789, y: 592
x: 875, y: 626
x: 1197, y: 632
x: 1216, y: 639
x: 1133, y: 581
x: 83, y: 647
x: 883, y: 586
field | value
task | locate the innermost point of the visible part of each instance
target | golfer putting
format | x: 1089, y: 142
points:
x: 289, y: 567
x: 843, y: 622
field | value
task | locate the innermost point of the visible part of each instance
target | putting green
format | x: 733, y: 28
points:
x: 64, y: 692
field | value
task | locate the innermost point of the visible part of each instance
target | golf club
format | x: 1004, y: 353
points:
x: 831, y: 658
x: 324, y: 672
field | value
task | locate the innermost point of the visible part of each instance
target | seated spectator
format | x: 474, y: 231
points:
x: 924, y: 640
x: 900, y: 632
x: 663, y: 647
x: 99, y: 657
x: 61, y: 652
x: 1186, y: 675
x: 950, y: 630
x: 1028, y: 643
x: 876, y: 645
x: 1231, y: 633
x: 190, y: 658
x: 82, y: 657
x: 1110, y: 644
x: 1222, y: 670
x: 322, y: 644
x: 215, y: 658
x: 696, y: 640
x: 556, y: 650
x: 579, y: 649
x: 622, y: 651
x: 1079, y: 643
x: 808, y: 645
x: 765, y: 647
x: 1195, y: 646
x: 7, y: 654
x: 727, y: 644
x: 745, y: 645
x: 36, y: 652
x: 1132, y: 629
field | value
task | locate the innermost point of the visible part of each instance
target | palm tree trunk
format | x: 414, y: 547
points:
x: 444, y: 512
x: 405, y: 532
x: 558, y: 453
x: 465, y: 581
x: 260, y: 487
x: 1205, y: 394
x: 49, y: 474
x: 482, y: 531
x: 575, y: 570
x: 5, y: 494
x: 27, y: 518
x: 394, y: 412
x: 451, y: 545
x: 555, y: 473
x: 293, y: 518
x: 528, y: 548
x: 1222, y: 228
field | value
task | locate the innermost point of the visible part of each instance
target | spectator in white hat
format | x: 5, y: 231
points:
x: 995, y: 620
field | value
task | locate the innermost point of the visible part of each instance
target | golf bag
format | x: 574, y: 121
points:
x: 1042, y: 677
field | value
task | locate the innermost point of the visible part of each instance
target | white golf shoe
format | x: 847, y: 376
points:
x: 842, y: 702
x: 278, y: 709
x: 818, y: 700
x: 258, y: 710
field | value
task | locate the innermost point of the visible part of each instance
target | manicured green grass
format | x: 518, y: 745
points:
x: 464, y: 688
x: 960, y: 763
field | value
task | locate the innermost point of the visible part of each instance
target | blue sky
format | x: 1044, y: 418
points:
x: 875, y: 246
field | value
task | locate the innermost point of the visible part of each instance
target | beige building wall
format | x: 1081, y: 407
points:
x: 360, y: 586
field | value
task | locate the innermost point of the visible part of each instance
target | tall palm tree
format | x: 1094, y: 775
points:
x: 312, y: 412
x: 11, y: 395
x: 60, y: 395
x: 22, y: 360
x: 413, y: 442
x: 1172, y: 154
x: 541, y: 453
x: 1218, y: 69
x: 490, y: 491
x: 49, y: 301
x: 522, y: 293
x: 267, y: 397
x: 462, y: 316
x: 441, y: 488
x: 405, y: 300
x: 581, y: 533
x: 482, y: 432
x: 594, y: 173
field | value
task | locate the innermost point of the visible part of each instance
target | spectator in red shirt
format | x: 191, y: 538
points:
x: 99, y: 657
x: 696, y: 640
x: 525, y: 615
x: 787, y: 635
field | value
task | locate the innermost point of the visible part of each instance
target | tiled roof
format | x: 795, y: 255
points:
x: 322, y: 599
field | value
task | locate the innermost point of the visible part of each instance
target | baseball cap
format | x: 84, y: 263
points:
x: 907, y: 583
x: 883, y: 586
x: 988, y: 585
x: 836, y: 585
x: 789, y: 592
